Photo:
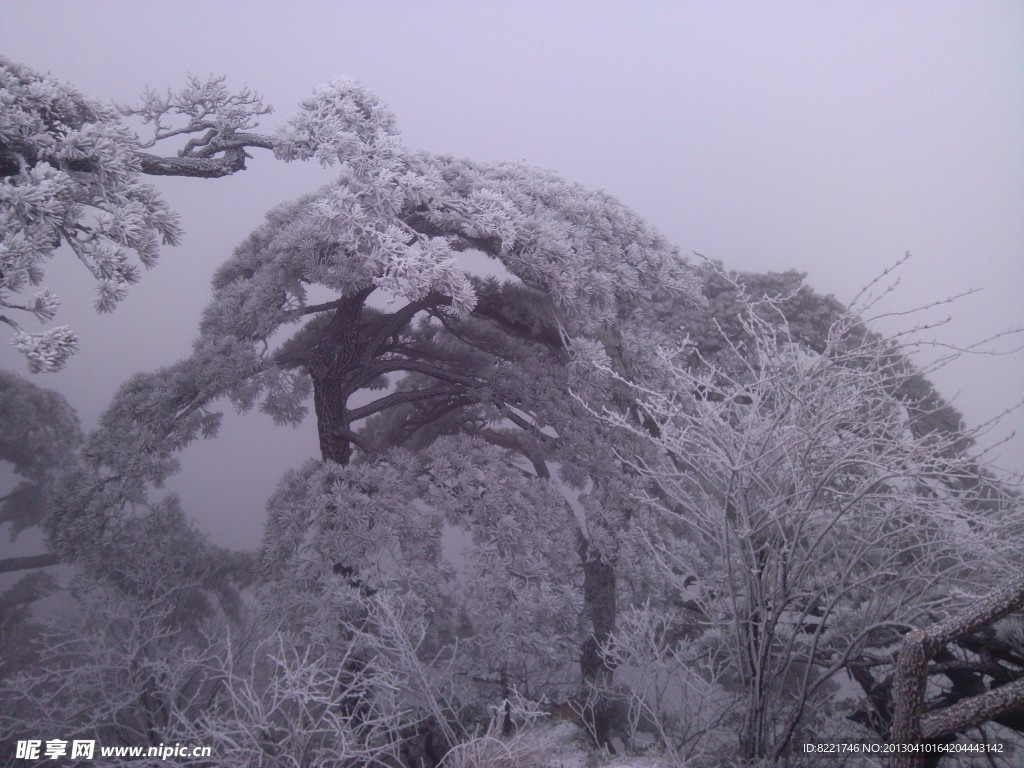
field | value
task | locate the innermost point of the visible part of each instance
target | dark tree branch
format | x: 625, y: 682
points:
x: 9, y: 564
x: 527, y: 426
x: 314, y: 308
x: 398, y: 398
x: 204, y: 163
x: 194, y: 167
x: 415, y: 366
x: 383, y: 330
x: 355, y: 438
x: 490, y: 307
x: 455, y: 329
x: 461, y: 241
x: 233, y: 141
x: 993, y: 651
x: 512, y: 442
x: 430, y: 414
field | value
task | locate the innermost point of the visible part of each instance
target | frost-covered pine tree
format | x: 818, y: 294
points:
x: 359, y: 296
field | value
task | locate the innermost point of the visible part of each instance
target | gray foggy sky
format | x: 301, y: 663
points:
x: 825, y: 137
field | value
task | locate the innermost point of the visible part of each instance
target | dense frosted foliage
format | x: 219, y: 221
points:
x: 69, y: 175
x: 394, y: 224
x: 506, y: 590
x: 39, y: 435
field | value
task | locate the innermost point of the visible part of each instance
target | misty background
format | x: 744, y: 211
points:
x: 823, y: 137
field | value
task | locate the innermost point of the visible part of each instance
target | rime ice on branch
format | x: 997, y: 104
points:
x: 71, y: 175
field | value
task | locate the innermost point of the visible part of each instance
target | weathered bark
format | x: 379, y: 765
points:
x: 909, y: 689
x: 332, y: 420
x: 355, y: 348
x: 334, y: 362
x: 600, y: 604
x: 194, y: 167
x: 974, y: 711
x: 1004, y: 600
x: 204, y: 164
x: 910, y: 723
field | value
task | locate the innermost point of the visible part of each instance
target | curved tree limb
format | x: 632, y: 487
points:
x: 205, y: 164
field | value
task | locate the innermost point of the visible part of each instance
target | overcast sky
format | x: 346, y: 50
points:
x: 826, y: 137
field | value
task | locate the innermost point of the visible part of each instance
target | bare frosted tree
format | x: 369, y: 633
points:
x: 800, y: 512
x: 123, y: 671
